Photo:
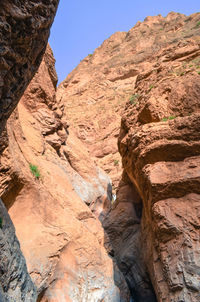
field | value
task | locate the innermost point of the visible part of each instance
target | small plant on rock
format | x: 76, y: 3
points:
x: 151, y: 87
x: 171, y: 117
x: 116, y: 162
x: 35, y: 171
x: 133, y: 98
x: 198, y: 24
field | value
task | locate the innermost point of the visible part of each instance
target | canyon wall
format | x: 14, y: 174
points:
x: 59, y: 145
x: 158, y: 196
x: 153, y: 71
x: 15, y: 282
x: 24, y: 31
x: 48, y: 184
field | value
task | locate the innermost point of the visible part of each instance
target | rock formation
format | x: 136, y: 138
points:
x: 49, y: 181
x: 15, y: 283
x: 158, y: 197
x: 153, y: 71
x: 57, y: 145
x: 24, y: 31
x: 93, y: 96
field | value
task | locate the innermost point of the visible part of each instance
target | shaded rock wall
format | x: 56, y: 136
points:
x: 24, y: 31
x: 16, y: 284
x: 123, y: 226
x: 49, y: 175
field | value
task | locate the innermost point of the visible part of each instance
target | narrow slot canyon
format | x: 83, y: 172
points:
x: 100, y: 179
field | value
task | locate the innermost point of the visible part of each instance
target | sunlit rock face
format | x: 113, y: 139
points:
x: 153, y: 72
x: 54, y: 193
x: 155, y: 222
x: 58, y: 145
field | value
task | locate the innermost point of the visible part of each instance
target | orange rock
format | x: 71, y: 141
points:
x: 62, y: 240
x: 159, y: 143
x: 24, y: 32
x: 152, y: 229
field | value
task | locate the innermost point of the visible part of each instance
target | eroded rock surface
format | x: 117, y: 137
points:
x: 154, y: 72
x: 49, y: 181
x: 24, y: 31
x: 123, y: 226
x: 159, y: 143
x: 15, y: 283
x: 95, y: 92
x: 54, y: 191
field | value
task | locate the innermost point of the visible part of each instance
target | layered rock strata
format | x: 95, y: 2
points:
x: 49, y: 175
x: 95, y: 92
x: 154, y: 224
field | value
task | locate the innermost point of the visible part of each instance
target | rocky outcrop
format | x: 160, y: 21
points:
x: 95, y: 92
x: 154, y: 224
x: 24, y: 31
x: 49, y: 181
x: 15, y: 283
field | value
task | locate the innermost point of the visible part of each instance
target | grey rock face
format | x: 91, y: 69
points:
x: 24, y: 31
x: 15, y: 282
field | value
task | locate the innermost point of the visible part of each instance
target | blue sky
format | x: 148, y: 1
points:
x: 81, y: 26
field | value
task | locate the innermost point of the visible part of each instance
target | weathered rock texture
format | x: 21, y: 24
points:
x: 15, y: 283
x: 154, y: 225
x: 24, y: 31
x: 95, y: 92
x: 49, y: 175
x: 93, y: 96
x: 62, y: 240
